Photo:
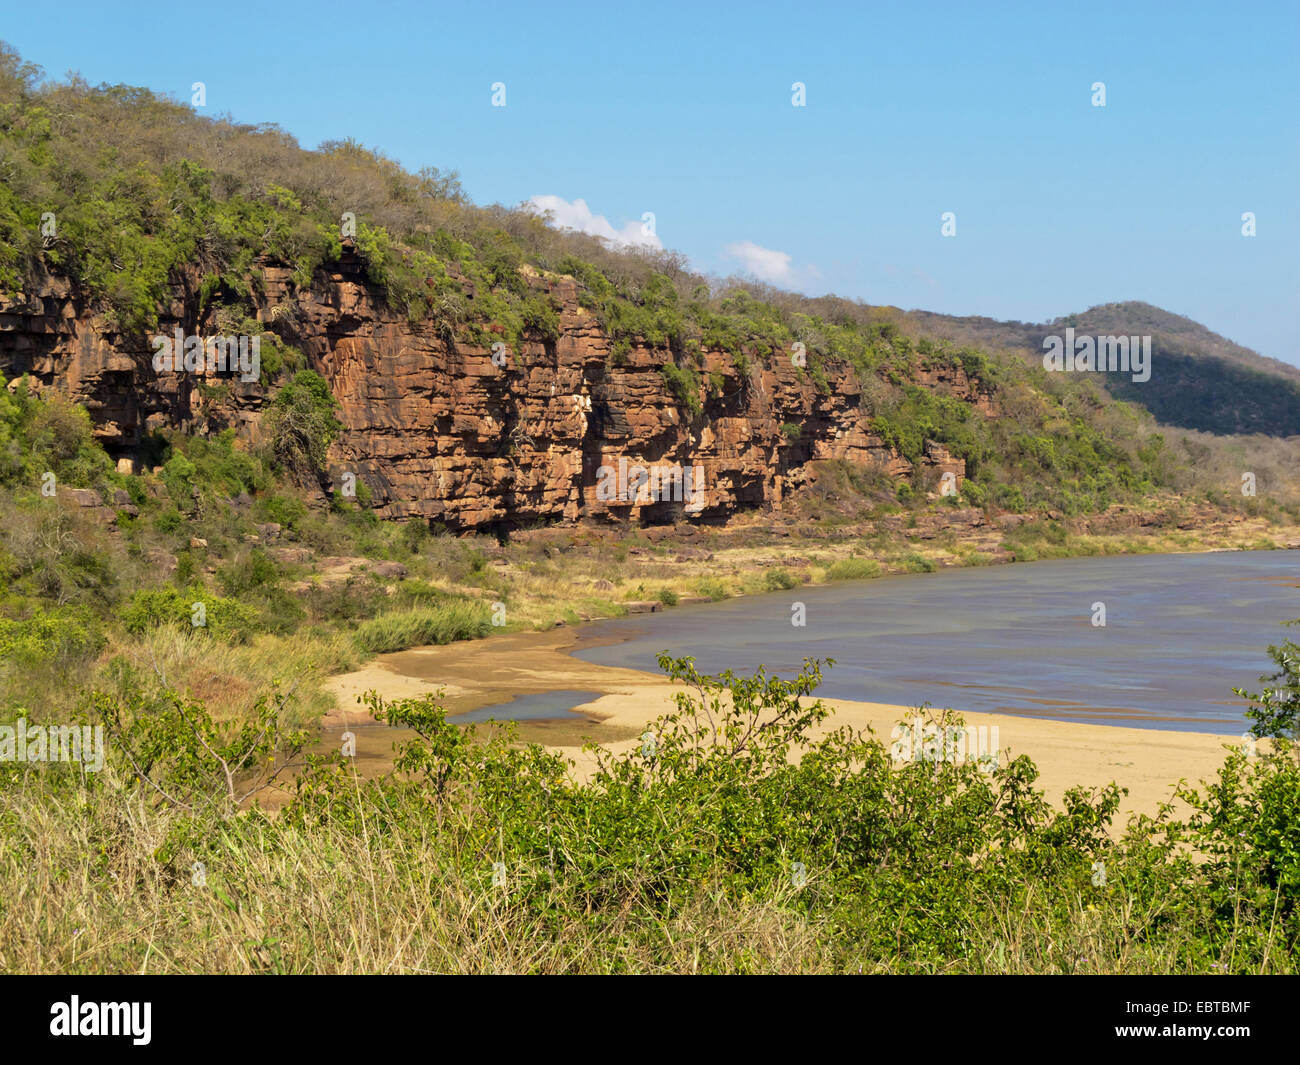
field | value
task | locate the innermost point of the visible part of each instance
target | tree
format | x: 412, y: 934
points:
x: 301, y: 423
x: 1276, y: 711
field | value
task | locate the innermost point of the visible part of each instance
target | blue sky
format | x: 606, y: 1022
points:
x: 913, y: 109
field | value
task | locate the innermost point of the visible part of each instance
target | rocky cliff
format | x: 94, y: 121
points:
x: 439, y: 429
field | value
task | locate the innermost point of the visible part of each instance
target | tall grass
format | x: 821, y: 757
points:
x: 478, y: 854
x: 853, y: 569
x: 444, y: 623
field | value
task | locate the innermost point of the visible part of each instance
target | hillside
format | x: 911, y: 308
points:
x: 486, y: 366
x: 1200, y: 380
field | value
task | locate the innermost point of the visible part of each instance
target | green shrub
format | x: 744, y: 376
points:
x: 729, y: 794
x: 779, y: 580
x: 684, y: 385
x: 414, y: 532
x: 1247, y: 825
x: 215, y: 466
x: 248, y: 571
x: 712, y: 588
x: 736, y: 834
x: 412, y: 592
x: 224, y: 619
x: 540, y: 318
x: 356, y: 598
x: 178, y: 475
x: 63, y: 634
x: 168, y: 521
x: 48, y: 433
x: 853, y: 569
x: 282, y: 510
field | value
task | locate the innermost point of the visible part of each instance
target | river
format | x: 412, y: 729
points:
x: 1180, y: 632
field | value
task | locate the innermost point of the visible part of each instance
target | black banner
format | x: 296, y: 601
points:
x: 151, y: 1014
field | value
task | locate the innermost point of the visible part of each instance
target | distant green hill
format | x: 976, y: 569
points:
x: 1200, y: 380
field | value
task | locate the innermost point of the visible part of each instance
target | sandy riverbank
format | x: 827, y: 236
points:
x: 486, y: 672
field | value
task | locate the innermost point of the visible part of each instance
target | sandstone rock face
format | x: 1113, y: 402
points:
x: 439, y: 431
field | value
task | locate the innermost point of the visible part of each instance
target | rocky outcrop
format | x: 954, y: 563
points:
x: 442, y: 431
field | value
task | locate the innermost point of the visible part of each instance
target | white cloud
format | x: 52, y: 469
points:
x: 577, y: 215
x: 764, y: 263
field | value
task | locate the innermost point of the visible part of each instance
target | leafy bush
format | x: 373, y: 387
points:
x: 915, y: 563
x: 224, y: 619
x: 1275, y: 712
x: 178, y: 475
x: 63, y: 634
x: 281, y: 509
x: 417, y: 593
x: 779, y: 580
x: 1247, y: 825
x: 176, y: 752
x: 684, y: 385
x: 712, y: 588
x: 728, y: 794
x: 47, y: 433
x: 247, y: 571
x: 215, y: 465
